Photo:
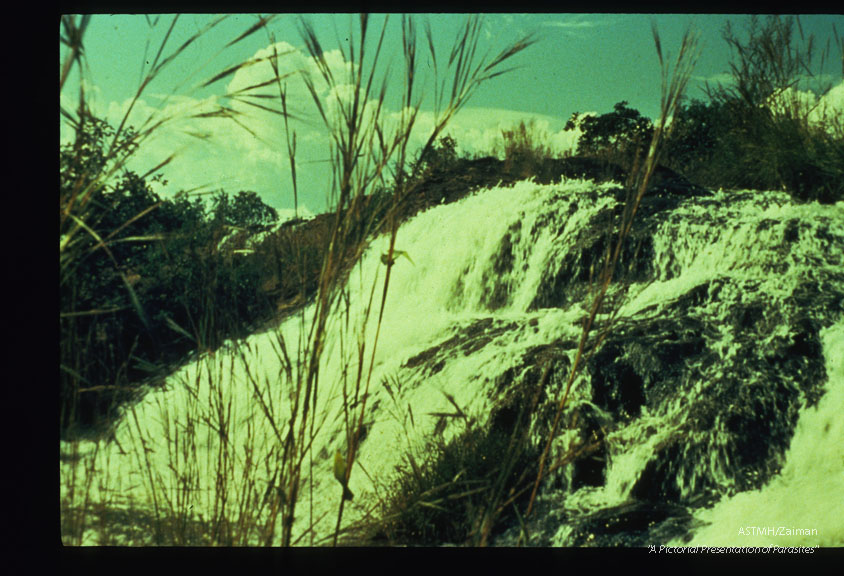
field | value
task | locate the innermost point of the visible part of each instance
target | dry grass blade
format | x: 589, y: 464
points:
x: 520, y: 45
x: 101, y: 243
x: 367, y: 144
x: 274, y: 80
x: 154, y: 68
x: 231, y: 70
x: 314, y: 47
x: 72, y: 38
x: 262, y: 107
x: 97, y: 312
x: 261, y: 23
x: 657, y: 43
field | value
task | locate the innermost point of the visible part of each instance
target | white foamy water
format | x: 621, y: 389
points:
x: 737, y: 237
x: 804, y: 504
x: 441, y: 287
x: 168, y: 451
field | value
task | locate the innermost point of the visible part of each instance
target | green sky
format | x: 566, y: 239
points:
x: 581, y: 63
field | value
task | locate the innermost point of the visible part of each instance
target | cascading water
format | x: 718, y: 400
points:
x: 725, y: 342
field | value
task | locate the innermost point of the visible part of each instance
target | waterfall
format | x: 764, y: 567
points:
x: 802, y: 505
x: 713, y: 395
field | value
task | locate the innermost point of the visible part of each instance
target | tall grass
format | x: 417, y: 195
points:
x: 206, y: 467
x: 775, y: 131
x: 524, y: 147
x: 365, y: 147
x: 674, y: 81
x: 92, y: 167
x: 458, y: 491
x: 88, y: 172
x: 218, y: 470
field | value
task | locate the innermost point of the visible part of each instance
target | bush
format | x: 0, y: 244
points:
x: 440, y: 156
x: 700, y: 128
x: 768, y: 133
x: 244, y: 211
x: 618, y: 137
x: 168, y: 276
x: 98, y: 263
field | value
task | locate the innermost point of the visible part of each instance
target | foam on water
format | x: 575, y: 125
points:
x: 804, y: 504
x: 453, y: 281
x: 442, y: 286
x: 738, y: 236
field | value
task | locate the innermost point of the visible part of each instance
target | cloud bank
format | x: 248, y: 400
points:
x: 249, y: 151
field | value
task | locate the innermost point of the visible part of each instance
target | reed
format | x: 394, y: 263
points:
x: 365, y: 148
x: 216, y: 468
x: 777, y: 135
x: 96, y: 157
x: 674, y: 82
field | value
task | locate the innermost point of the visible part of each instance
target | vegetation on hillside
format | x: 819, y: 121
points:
x: 171, y: 276
x: 763, y: 130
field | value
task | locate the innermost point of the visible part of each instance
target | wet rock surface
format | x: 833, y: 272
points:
x: 633, y: 524
x: 688, y: 390
x: 717, y: 373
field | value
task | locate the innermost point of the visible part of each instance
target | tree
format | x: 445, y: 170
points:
x: 440, y: 156
x: 245, y: 211
x: 616, y: 136
x: 701, y: 134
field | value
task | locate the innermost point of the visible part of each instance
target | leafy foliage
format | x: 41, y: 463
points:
x: 441, y: 155
x: 245, y: 211
x: 764, y: 130
x: 700, y: 129
x: 617, y: 136
x: 164, y: 277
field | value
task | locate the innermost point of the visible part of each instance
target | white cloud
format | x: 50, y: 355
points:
x: 833, y: 101
x: 829, y: 107
x: 477, y: 131
x: 724, y: 78
x: 576, y: 26
x: 285, y: 214
x: 251, y: 154
x: 291, y: 63
x: 569, y: 25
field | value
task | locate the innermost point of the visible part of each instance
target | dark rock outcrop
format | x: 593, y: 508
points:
x: 717, y: 374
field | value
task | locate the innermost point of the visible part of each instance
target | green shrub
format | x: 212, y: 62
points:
x: 98, y: 270
x: 168, y: 276
x: 440, y: 156
x: 768, y: 133
x: 618, y: 137
x: 701, y: 130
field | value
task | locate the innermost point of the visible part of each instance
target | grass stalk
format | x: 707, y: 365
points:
x: 79, y: 239
x: 674, y: 81
x: 364, y: 148
x: 367, y: 147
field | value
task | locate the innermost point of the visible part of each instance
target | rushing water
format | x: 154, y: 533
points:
x: 717, y: 393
